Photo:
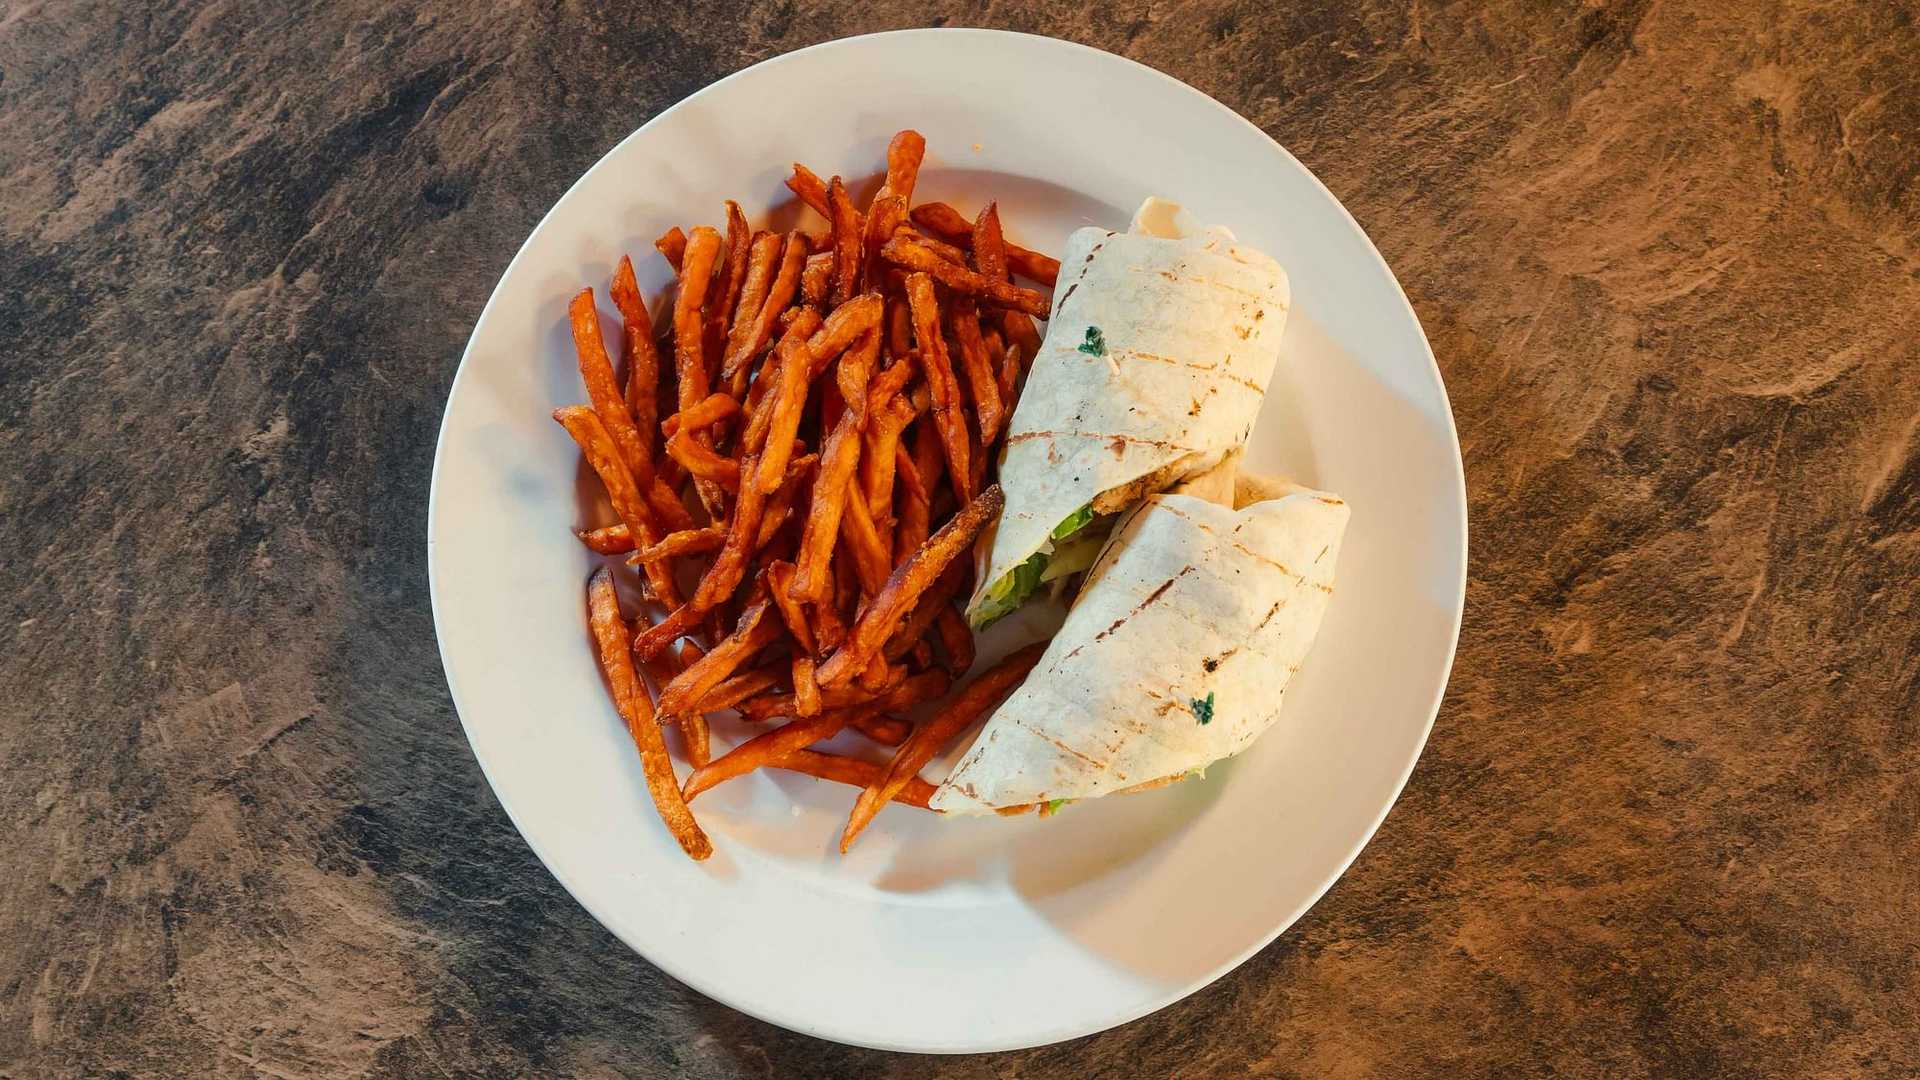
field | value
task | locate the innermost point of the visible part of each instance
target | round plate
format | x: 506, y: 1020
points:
x: 937, y: 934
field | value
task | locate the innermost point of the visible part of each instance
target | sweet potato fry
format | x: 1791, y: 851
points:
x: 933, y: 736
x: 837, y: 459
x: 949, y: 252
x: 952, y: 226
x: 752, y: 633
x: 909, y: 473
x: 703, y: 462
x: 788, y: 401
x: 673, y: 246
x: 693, y: 726
x: 643, y: 360
x: 931, y: 347
x: 903, y: 695
x: 847, y: 242
x: 731, y: 279
x: 870, y: 556
x: 903, y: 587
x: 652, y: 641
x: 887, y: 214
x: 829, y: 629
x: 916, y: 514
x: 913, y: 629
x: 855, y: 370
x: 761, y: 400
x: 780, y: 586
x: 705, y: 413
x: 806, y: 692
x: 854, y: 772
x: 786, y: 281
x: 1009, y: 368
x: 743, y: 535
x: 584, y: 425
x: 607, y: 540
x: 885, y: 730
x: 603, y: 390
x: 877, y: 463
x: 780, y: 506
x: 989, y: 244
x: 761, y: 257
x: 899, y: 323
x: 956, y: 639
x: 734, y: 689
x: 983, y: 382
x: 770, y: 746
x: 841, y: 329
x: 816, y: 278
x: 702, y: 250
x: 811, y: 190
x: 905, y: 151
x: 684, y: 542
x: 905, y: 251
x: 630, y: 698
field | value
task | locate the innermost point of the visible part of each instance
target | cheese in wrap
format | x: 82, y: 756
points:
x: 1177, y: 654
x: 1156, y: 359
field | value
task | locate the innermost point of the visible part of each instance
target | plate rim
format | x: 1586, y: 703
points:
x: 692, y: 979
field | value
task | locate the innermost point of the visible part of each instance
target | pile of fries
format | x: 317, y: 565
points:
x: 825, y: 429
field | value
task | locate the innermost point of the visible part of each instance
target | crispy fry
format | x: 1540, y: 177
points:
x: 607, y: 540
x: 770, y: 746
x: 878, y: 674
x: 761, y: 401
x: 948, y: 252
x: 816, y: 278
x: 842, y: 329
x: 899, y: 323
x: 603, y: 390
x: 629, y: 697
x: 806, y: 692
x: 908, y: 473
x: 905, y: 694
x: 643, y: 360
x: 871, y: 557
x: 752, y: 633
x: 703, y: 462
x: 810, y: 188
x: 780, y: 585
x: 734, y: 689
x: 780, y: 294
x: 1010, y: 373
x: 649, y: 643
x: 933, y: 736
x: 837, y: 459
x: 855, y: 371
x: 743, y: 535
x: 847, y: 243
x: 905, y: 152
x: 684, y: 542
x: 584, y: 425
x: 885, y: 730
x: 789, y: 400
x: 673, y: 246
x: 950, y: 225
x: 989, y: 244
x: 761, y: 257
x: 730, y: 280
x: 983, y: 383
x: 689, y: 342
x: 916, y: 513
x: 887, y: 214
x: 956, y: 639
x: 780, y: 506
x: 705, y: 413
x: 852, y: 771
x: 955, y: 440
x: 913, y: 629
x: 877, y: 463
x: 912, y: 577
x: 829, y: 630
x: 906, y: 251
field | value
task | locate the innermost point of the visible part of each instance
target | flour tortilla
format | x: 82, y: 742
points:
x: 1195, y: 611
x: 1189, y: 326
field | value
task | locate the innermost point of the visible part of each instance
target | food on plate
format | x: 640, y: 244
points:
x: 1176, y: 654
x: 1161, y: 342
x: 800, y: 461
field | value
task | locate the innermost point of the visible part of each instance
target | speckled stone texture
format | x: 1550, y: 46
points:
x: 1669, y: 257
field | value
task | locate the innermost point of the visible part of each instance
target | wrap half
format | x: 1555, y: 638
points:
x: 1156, y: 360
x: 1178, y: 653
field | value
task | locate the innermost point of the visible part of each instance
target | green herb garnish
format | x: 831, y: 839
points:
x: 1202, y: 708
x: 1054, y: 805
x: 1095, y: 343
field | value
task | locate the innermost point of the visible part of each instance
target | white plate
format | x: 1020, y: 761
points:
x: 938, y: 935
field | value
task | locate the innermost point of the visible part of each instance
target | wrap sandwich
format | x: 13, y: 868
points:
x: 1156, y: 360
x: 1177, y: 653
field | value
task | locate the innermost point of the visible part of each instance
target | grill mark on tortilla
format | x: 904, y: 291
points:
x: 1095, y: 762
x: 1275, y: 563
x: 1136, y: 354
x: 1260, y: 298
x: 1099, y: 436
x: 1137, y: 609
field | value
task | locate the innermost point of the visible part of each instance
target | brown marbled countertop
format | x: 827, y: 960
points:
x: 1669, y: 257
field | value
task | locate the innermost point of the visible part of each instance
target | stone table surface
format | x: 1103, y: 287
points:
x: 1668, y: 254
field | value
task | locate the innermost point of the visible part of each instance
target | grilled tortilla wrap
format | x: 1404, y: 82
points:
x: 1154, y: 366
x: 1177, y: 654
